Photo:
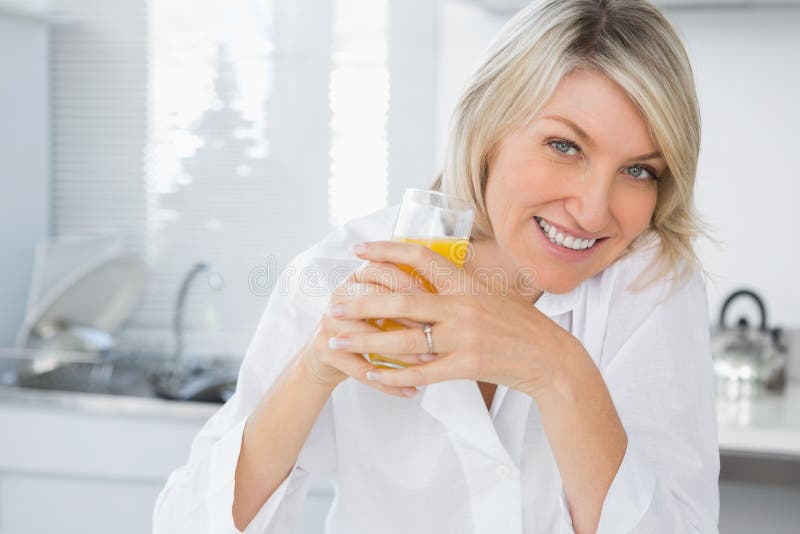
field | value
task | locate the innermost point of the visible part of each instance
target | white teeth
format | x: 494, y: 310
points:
x: 567, y: 241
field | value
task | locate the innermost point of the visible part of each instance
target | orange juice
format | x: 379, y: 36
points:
x: 454, y: 249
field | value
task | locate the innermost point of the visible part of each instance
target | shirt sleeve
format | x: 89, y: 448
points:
x: 198, y: 496
x: 661, y: 382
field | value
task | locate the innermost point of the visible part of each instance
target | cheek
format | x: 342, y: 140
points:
x: 524, y: 182
x: 507, y: 190
x: 633, y: 211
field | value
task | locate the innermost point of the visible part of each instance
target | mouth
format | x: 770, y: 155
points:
x: 563, y: 245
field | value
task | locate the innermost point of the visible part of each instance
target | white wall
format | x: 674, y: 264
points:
x: 413, y: 47
x: 24, y: 161
x: 747, y: 68
x: 464, y: 34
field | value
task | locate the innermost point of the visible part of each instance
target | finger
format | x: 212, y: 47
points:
x: 358, y: 290
x: 336, y: 327
x: 353, y: 287
x: 406, y: 359
x: 399, y: 342
x: 345, y: 329
x: 389, y: 276
x: 397, y: 323
x: 356, y: 365
x: 421, y: 307
x: 440, y: 270
x: 357, y: 368
x: 439, y: 370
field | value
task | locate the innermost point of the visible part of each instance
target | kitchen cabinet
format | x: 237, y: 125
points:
x: 77, y: 463
x: 760, y: 463
x: 82, y: 463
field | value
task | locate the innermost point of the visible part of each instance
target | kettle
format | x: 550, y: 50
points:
x: 748, y: 361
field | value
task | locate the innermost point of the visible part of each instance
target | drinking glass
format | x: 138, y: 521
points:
x: 442, y: 223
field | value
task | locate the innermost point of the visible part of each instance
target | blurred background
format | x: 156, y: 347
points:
x: 161, y: 162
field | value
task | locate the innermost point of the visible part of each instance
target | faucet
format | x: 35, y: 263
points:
x: 215, y: 281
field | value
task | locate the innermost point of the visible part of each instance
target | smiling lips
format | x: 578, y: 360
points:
x: 562, y: 238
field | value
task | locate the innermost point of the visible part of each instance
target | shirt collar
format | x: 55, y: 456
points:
x: 459, y: 406
x: 553, y: 304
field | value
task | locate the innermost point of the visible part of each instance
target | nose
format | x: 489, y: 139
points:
x: 589, y: 202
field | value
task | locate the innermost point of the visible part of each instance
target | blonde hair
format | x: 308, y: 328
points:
x: 632, y: 43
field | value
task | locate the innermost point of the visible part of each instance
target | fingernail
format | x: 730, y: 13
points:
x: 426, y: 357
x: 338, y: 343
x: 373, y: 375
x: 336, y: 310
x: 410, y: 392
x: 360, y: 248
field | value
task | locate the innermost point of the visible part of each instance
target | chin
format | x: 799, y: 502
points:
x: 557, y: 277
x: 548, y: 281
x: 558, y: 286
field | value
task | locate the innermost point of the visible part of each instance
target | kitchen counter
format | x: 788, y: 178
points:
x: 768, y: 425
x: 113, y: 456
x: 93, y: 403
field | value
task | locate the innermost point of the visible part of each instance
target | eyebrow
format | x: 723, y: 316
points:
x: 582, y: 133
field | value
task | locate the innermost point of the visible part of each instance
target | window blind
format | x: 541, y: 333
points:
x: 233, y: 133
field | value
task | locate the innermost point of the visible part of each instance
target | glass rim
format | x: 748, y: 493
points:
x: 463, y: 205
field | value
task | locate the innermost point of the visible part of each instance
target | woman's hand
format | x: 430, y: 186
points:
x: 331, y: 366
x: 490, y: 334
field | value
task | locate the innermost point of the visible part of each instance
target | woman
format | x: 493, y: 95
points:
x: 576, y: 398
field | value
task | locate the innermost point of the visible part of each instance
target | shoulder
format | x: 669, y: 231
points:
x: 336, y: 244
x: 618, y: 281
x: 317, y: 270
x: 625, y: 309
x: 300, y: 293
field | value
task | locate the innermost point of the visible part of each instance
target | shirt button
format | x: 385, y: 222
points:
x: 503, y: 471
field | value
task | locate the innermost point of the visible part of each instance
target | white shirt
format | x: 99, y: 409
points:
x: 441, y: 463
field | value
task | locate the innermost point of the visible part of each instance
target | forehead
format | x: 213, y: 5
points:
x: 601, y: 107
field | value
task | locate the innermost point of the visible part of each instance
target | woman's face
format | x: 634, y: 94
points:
x: 586, y: 166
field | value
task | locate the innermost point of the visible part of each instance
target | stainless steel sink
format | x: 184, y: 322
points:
x: 121, y: 373
x: 117, y: 378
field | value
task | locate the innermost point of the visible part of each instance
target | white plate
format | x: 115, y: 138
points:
x: 101, y: 294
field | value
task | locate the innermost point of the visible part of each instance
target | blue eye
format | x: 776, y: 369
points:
x: 640, y: 173
x: 562, y: 146
x: 637, y: 171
